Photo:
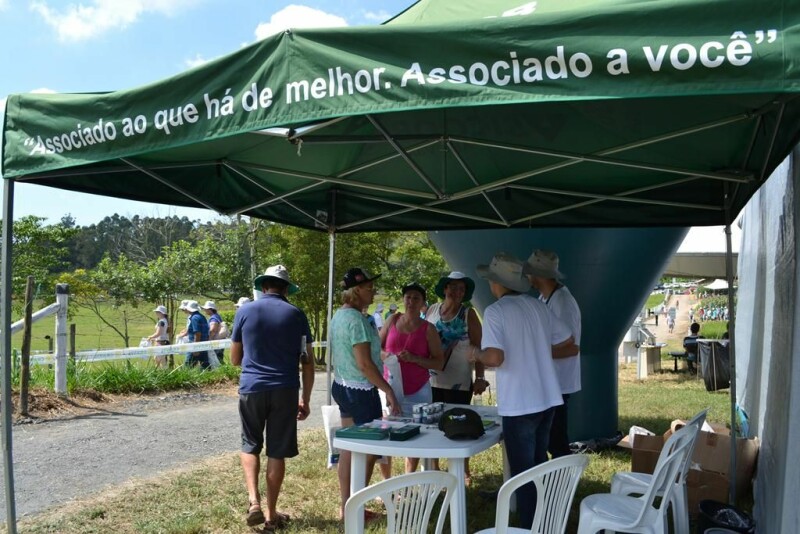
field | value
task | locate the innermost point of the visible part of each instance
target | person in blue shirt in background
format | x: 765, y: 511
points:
x: 197, y: 330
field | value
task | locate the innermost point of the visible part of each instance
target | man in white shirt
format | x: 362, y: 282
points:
x: 544, y: 276
x: 520, y: 336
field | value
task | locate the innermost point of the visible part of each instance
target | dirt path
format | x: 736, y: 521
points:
x: 682, y: 303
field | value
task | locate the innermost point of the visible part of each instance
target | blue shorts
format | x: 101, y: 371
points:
x: 360, y: 405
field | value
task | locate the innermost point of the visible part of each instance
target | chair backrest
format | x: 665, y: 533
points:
x: 556, y: 482
x: 696, y: 422
x: 670, y: 462
x: 409, y: 501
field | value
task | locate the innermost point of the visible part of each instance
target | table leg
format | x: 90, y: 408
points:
x: 458, y: 506
x: 358, y: 477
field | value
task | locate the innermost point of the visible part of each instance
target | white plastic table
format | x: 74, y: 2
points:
x: 430, y: 444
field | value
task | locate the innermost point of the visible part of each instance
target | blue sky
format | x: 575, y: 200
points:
x: 104, y: 45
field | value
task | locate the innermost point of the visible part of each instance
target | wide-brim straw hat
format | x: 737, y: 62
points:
x: 279, y: 272
x: 456, y: 276
x: 543, y: 263
x: 506, y: 270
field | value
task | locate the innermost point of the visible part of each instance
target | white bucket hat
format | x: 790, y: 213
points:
x: 161, y: 309
x: 505, y: 270
x: 183, y: 304
x: 209, y: 305
x: 279, y: 272
x: 192, y: 306
x: 241, y: 302
x: 543, y: 263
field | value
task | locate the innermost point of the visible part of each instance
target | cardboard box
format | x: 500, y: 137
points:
x: 709, y: 475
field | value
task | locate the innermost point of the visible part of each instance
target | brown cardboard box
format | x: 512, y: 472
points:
x: 708, y: 478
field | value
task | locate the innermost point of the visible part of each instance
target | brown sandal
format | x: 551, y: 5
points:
x: 255, y: 516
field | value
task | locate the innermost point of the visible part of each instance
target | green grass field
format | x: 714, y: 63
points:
x: 92, y: 333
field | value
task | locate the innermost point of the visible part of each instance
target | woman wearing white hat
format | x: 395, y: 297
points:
x: 161, y: 335
x: 214, y: 326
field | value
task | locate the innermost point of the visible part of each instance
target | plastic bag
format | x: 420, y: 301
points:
x: 332, y: 420
x: 144, y: 342
x: 394, y: 376
x: 213, y: 361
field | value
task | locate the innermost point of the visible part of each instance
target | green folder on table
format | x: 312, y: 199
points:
x: 362, y: 432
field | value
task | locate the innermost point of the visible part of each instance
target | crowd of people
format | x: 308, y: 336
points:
x: 442, y: 352
x: 205, y: 325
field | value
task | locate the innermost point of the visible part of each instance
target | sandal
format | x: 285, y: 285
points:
x: 280, y: 521
x: 255, y: 516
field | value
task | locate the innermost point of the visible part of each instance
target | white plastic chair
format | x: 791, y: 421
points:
x: 556, y: 482
x: 629, y: 483
x: 622, y: 513
x: 409, y: 501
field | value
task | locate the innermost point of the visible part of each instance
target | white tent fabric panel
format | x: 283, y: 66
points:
x: 766, y: 342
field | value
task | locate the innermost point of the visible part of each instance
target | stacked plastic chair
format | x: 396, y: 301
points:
x: 628, y: 483
x: 643, y: 514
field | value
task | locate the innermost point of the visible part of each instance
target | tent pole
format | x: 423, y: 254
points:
x: 331, y: 255
x: 5, y: 346
x: 732, y: 357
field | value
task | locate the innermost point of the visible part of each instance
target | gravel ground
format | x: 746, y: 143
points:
x: 61, y: 460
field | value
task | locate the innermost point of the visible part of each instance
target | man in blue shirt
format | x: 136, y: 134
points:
x: 197, y: 330
x: 271, y: 339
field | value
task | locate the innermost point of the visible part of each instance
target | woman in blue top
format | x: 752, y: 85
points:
x: 357, y: 367
x: 214, y: 325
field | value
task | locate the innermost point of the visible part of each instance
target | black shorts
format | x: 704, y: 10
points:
x: 451, y: 396
x: 360, y: 405
x: 275, y: 410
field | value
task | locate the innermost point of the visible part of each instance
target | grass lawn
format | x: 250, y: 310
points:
x: 210, y: 497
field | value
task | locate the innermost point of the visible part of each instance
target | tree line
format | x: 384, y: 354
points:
x: 129, y: 262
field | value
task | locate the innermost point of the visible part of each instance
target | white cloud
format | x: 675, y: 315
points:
x: 196, y: 61
x: 377, y: 16
x: 78, y: 22
x: 295, y: 16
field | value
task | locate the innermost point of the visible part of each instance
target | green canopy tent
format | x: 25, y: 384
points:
x: 476, y: 114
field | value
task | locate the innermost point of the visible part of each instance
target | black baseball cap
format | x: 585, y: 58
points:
x: 414, y: 286
x: 356, y: 276
x: 461, y: 423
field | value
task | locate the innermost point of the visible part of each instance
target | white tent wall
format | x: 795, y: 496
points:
x: 767, y: 340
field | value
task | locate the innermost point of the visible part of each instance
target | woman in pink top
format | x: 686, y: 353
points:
x: 416, y: 344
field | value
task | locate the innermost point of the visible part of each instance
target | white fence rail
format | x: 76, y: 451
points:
x: 143, y: 352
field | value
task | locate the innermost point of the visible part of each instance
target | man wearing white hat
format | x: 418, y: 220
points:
x: 544, y: 276
x: 271, y: 339
x: 197, y: 330
x: 519, y: 335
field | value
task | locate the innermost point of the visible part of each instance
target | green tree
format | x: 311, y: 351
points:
x: 110, y: 291
x: 39, y: 250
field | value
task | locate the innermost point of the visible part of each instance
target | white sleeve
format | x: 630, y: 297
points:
x: 493, y: 334
x: 567, y: 310
x: 559, y: 331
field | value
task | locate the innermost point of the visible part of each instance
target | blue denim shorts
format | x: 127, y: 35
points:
x: 360, y: 405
